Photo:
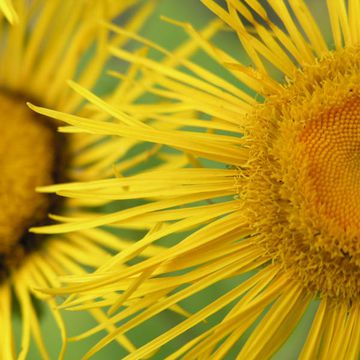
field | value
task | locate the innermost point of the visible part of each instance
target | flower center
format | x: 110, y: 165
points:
x: 332, y: 150
x: 28, y: 157
x: 303, y: 192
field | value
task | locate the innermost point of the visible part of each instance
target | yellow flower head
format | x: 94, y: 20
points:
x: 278, y: 202
x: 52, y: 42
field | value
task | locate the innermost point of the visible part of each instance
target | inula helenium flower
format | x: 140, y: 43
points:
x: 277, y: 207
x: 52, y: 41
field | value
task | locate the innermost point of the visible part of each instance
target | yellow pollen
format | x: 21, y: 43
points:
x: 332, y: 146
x: 27, y: 159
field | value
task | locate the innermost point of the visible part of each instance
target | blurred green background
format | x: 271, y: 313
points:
x: 169, y: 36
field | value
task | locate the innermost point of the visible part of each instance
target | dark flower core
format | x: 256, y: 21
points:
x: 30, y: 157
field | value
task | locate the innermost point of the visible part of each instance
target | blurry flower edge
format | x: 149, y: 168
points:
x: 41, y: 50
x: 283, y: 215
x: 7, y: 8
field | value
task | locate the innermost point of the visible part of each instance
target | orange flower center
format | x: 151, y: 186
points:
x: 303, y: 192
x: 332, y: 148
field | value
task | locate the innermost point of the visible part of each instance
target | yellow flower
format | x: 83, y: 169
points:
x: 277, y: 204
x: 51, y: 42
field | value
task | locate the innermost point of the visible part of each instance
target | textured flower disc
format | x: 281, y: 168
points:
x: 30, y: 157
x: 304, y: 169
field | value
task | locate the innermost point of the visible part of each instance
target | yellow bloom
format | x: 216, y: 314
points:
x: 279, y: 201
x: 52, y: 41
